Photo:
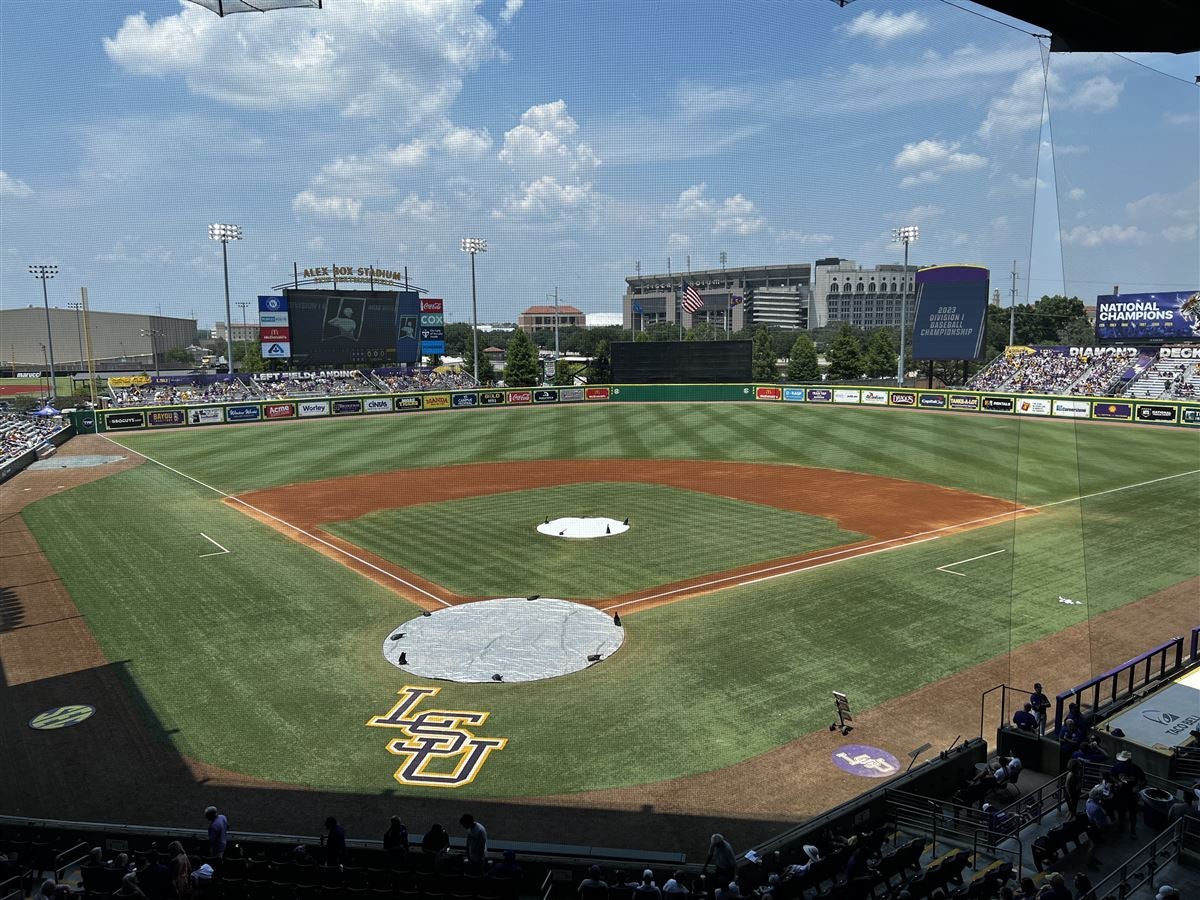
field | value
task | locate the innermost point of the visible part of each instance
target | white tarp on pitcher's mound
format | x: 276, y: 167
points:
x: 515, y: 638
x: 581, y: 528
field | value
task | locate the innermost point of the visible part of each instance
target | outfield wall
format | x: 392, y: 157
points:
x: 1037, y: 406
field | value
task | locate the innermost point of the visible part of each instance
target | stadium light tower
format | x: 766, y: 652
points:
x: 225, y: 234
x: 45, y: 272
x: 474, y: 245
x: 905, y: 235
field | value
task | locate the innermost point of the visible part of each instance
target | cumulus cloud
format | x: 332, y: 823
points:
x: 546, y: 198
x: 404, y: 59
x: 737, y: 215
x: 467, y: 141
x: 415, y: 209
x: 692, y: 202
x: 328, y: 207
x: 733, y: 215
x: 1083, y: 236
x: 1180, y: 232
x: 13, y: 188
x: 1022, y: 106
x: 511, y: 8
x: 545, y: 138
x: 1098, y: 94
x: 884, y: 27
x: 928, y: 161
x: 678, y: 241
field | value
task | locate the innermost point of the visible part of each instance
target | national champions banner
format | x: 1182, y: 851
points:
x: 951, y: 310
x: 1170, y: 316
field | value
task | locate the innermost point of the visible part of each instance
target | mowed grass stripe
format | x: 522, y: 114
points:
x: 488, y: 546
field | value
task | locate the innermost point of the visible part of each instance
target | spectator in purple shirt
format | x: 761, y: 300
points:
x: 1024, y: 719
x: 218, y: 832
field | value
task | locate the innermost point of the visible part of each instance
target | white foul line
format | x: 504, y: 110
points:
x: 845, y: 553
x: 946, y: 567
x: 295, y: 528
x: 215, y: 544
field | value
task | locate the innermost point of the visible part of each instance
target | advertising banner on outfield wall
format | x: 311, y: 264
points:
x: 279, y: 411
x: 793, y: 395
x: 1072, y: 409
x: 932, y: 401
x: 520, y: 396
x: 545, y: 396
x: 1156, y: 412
x: 819, y: 395
x: 491, y: 398
x: 873, y: 397
x: 437, y: 401
x: 117, y: 421
x: 346, y: 407
x: 461, y: 401
x: 570, y: 395
x: 845, y: 395
x: 407, y: 404
x: 206, y: 415
x: 767, y: 393
x: 595, y: 393
x: 164, y: 418
x: 964, y: 402
x: 1033, y: 406
x: 310, y: 408
x: 998, y: 404
x: 377, y: 405
x: 242, y: 413
x: 1190, y: 415
x: 1112, y: 411
x: 902, y: 398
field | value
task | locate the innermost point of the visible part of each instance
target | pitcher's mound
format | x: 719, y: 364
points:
x: 517, y: 638
x: 582, y: 528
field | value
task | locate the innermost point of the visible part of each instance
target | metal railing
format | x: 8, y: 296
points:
x: 1119, y: 683
x: 1005, y: 705
x: 958, y: 827
x: 1146, y: 862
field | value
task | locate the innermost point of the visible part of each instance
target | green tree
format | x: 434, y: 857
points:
x: 180, y: 357
x: 762, y: 358
x: 458, y: 339
x: 1077, y: 332
x: 802, y: 360
x: 521, y: 366
x: 879, y: 355
x: 845, y: 355
x: 601, y: 369
x: 487, y: 372
x: 249, y: 357
x: 564, y: 373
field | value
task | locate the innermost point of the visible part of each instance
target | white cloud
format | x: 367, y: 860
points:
x: 692, y: 202
x: 804, y: 238
x: 545, y: 138
x: 1176, y: 118
x: 467, y: 141
x: 678, y: 241
x: 1098, y: 94
x: 933, y: 159
x: 1180, y: 232
x: 1083, y: 236
x: 511, y: 8
x: 1166, y: 205
x: 918, y: 214
x: 884, y: 27
x: 415, y: 209
x: 1076, y: 193
x: 327, y: 207
x: 547, y: 198
x: 13, y: 188
x: 737, y: 215
x: 403, y: 58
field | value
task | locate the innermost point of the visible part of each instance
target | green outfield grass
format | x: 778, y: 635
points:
x: 489, y: 546
x: 268, y: 660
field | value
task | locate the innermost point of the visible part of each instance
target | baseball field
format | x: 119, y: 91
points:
x: 248, y: 577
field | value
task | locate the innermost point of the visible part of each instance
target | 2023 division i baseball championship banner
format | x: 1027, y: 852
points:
x: 951, y: 308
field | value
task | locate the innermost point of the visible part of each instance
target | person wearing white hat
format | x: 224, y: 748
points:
x: 1166, y: 892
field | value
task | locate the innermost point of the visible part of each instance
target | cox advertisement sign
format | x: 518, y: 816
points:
x: 243, y: 413
x: 404, y: 404
x: 767, y: 393
x: 206, y: 415
x: 310, y: 408
x: 1072, y: 409
x: 164, y: 418
x: 873, y: 397
x: 793, y: 395
x: 279, y: 410
x: 377, y: 405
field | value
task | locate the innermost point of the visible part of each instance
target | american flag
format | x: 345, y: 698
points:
x: 692, y: 301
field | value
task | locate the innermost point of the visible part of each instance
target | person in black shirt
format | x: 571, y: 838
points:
x: 395, y: 840
x: 335, y: 843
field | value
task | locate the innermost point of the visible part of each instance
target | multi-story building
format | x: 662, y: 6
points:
x: 119, y: 340
x: 541, y: 318
x: 655, y: 299
x: 843, y: 291
x: 247, y: 333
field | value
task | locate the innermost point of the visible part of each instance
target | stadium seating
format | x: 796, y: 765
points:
x: 1170, y: 379
x: 1051, y: 371
x: 20, y: 434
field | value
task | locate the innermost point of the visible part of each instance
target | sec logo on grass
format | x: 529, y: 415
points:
x: 62, y: 717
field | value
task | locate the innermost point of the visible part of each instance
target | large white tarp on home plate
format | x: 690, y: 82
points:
x: 516, y: 638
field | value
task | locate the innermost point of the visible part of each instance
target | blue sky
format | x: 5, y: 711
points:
x: 578, y: 138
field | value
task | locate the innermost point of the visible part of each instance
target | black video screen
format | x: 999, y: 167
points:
x: 345, y: 328
x: 680, y: 362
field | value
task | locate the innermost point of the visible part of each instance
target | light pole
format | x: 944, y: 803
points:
x: 225, y: 234
x: 152, y: 333
x: 474, y: 245
x: 44, y: 272
x: 78, y: 327
x: 245, y: 331
x: 905, y: 235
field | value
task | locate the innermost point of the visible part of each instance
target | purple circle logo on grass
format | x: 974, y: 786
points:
x: 869, y: 762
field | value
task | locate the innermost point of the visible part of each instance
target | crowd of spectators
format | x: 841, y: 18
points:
x: 1050, y: 371
x: 19, y: 434
x: 426, y: 381
x: 315, y: 384
x: 1105, y: 374
x: 182, y: 394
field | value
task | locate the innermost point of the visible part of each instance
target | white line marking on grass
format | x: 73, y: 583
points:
x: 294, y: 528
x: 222, y: 550
x: 946, y: 567
x: 881, y: 546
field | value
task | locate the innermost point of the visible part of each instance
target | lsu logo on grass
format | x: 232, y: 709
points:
x: 435, y: 736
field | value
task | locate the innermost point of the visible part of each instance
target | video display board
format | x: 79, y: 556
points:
x: 1167, y: 316
x: 340, y: 328
x: 951, y: 310
x: 680, y: 362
